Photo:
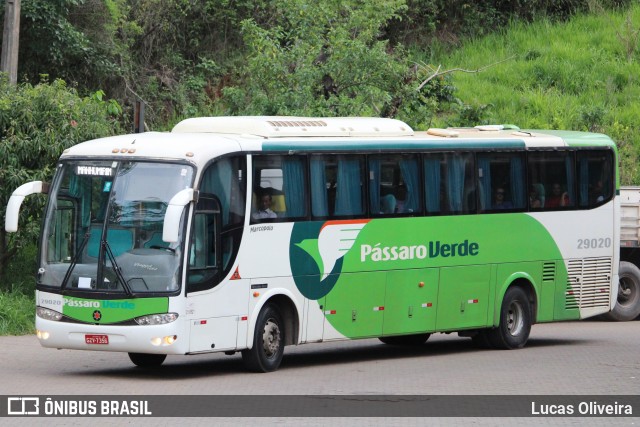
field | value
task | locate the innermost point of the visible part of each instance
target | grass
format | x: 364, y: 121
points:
x: 583, y: 74
x: 17, y: 301
x: 17, y: 312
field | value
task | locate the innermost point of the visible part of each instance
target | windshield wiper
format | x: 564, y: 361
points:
x: 116, y: 268
x: 74, y: 261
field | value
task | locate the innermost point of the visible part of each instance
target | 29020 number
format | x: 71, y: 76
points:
x: 594, y: 243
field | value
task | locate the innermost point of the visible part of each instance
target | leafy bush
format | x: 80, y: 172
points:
x: 21, y: 272
x: 51, y: 42
x: 327, y: 59
x: 37, y: 122
x: 470, y: 115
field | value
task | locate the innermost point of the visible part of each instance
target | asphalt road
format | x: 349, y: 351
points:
x: 576, y: 358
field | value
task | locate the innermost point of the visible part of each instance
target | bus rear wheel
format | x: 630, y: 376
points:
x: 628, y: 303
x: 145, y: 360
x: 268, y: 342
x: 415, y: 339
x: 515, y: 321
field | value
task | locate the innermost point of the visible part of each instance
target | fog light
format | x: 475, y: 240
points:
x: 156, y: 341
x: 170, y: 339
x: 43, y: 335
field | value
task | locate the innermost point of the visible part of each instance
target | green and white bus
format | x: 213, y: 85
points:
x: 253, y: 233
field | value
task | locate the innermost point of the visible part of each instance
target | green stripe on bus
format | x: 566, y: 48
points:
x: 106, y: 311
x: 581, y: 139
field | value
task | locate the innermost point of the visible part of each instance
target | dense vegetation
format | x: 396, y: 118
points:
x: 569, y: 64
x: 581, y: 75
x: 186, y: 58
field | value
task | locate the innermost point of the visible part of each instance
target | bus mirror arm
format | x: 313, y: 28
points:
x: 174, y: 213
x: 15, y: 201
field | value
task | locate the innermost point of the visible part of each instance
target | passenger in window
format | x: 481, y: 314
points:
x: 534, y: 198
x: 558, y: 198
x: 597, y: 193
x: 388, y: 204
x: 401, y: 196
x: 264, y: 209
x: 500, y: 201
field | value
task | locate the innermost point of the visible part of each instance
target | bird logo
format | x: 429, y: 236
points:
x: 327, y: 251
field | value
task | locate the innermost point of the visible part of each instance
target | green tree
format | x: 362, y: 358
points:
x: 51, y: 42
x: 327, y: 59
x: 37, y: 122
x: 180, y: 50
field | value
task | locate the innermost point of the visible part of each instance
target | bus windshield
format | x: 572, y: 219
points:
x: 103, y: 229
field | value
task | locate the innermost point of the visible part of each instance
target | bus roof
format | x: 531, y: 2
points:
x: 278, y: 127
x: 198, y: 140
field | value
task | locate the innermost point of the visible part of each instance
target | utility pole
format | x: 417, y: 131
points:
x: 10, y: 38
x: 138, y: 116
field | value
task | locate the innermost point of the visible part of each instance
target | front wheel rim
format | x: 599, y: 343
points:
x: 515, y: 318
x: 271, y: 338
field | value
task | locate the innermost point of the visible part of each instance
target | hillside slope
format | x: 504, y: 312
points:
x: 583, y: 74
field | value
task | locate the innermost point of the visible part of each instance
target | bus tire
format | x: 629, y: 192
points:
x: 515, y: 321
x: 268, y: 342
x: 145, y: 360
x: 628, y: 302
x: 414, y: 339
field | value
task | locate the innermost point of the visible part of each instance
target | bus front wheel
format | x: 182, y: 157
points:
x: 268, y: 342
x: 145, y: 360
x: 515, y: 321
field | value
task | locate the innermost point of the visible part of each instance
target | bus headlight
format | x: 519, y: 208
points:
x: 156, y: 319
x: 48, y: 314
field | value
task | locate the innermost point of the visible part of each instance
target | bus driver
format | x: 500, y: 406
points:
x: 264, y: 210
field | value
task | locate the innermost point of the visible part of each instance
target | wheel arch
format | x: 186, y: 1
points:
x: 289, y: 311
x: 521, y: 280
x: 290, y: 317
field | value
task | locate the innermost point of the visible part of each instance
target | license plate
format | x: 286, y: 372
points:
x: 96, y: 339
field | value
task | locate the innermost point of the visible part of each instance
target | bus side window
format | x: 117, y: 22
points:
x: 501, y: 173
x: 61, y: 246
x: 337, y: 186
x: 595, y: 185
x: 459, y: 181
x: 435, y: 194
x: 394, y: 185
x: 279, y: 189
x: 555, y: 169
x: 225, y: 181
x: 204, y: 251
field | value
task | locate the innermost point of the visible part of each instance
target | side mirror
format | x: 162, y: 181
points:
x: 13, y: 207
x: 174, y: 213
